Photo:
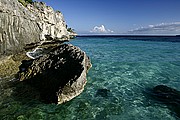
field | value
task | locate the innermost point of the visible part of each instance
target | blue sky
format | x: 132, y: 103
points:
x: 120, y: 16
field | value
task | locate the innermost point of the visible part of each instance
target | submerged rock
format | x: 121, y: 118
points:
x: 59, y: 75
x: 168, y: 96
x: 102, y: 92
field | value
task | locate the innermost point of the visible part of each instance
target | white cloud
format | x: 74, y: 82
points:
x: 101, y: 29
x: 151, y: 26
x: 162, y: 28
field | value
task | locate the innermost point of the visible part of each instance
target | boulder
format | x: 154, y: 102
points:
x: 58, y: 75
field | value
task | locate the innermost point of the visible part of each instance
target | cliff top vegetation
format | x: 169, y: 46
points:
x: 25, y: 2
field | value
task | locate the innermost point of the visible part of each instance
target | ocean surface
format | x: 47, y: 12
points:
x: 123, y: 70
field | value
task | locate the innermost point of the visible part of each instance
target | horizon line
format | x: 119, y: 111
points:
x: 132, y: 35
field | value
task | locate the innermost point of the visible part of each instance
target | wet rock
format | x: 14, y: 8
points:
x: 59, y: 75
x: 9, y: 65
x: 38, y: 52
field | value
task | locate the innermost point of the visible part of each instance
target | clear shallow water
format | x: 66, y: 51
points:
x: 125, y: 67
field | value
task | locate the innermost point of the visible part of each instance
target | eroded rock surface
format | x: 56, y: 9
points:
x: 59, y: 75
x: 35, y: 23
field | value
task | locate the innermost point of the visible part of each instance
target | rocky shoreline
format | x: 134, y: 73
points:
x: 32, y: 50
x: 59, y: 75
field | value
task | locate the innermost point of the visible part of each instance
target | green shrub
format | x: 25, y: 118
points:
x: 29, y: 1
x: 25, y: 2
x: 22, y: 2
x: 70, y: 30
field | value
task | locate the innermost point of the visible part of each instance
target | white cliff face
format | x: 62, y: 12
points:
x: 17, y: 27
x: 21, y: 25
x: 50, y: 22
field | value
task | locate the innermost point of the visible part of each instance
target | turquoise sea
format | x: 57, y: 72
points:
x: 124, y: 67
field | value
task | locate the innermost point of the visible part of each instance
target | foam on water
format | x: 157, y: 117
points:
x: 124, y: 67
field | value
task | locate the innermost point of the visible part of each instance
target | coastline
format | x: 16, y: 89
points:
x: 35, y: 52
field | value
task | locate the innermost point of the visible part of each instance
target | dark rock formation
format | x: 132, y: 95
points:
x: 167, y: 96
x: 102, y: 92
x: 59, y: 75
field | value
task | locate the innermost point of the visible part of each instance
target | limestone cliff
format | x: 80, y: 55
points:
x: 35, y: 23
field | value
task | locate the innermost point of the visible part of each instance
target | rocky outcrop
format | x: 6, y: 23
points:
x: 59, y: 75
x: 21, y: 25
x: 34, y: 34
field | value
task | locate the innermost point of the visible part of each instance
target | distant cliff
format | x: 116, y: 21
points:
x: 35, y: 23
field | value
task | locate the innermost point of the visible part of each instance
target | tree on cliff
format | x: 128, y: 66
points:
x: 70, y: 30
x: 25, y: 2
x: 29, y: 1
